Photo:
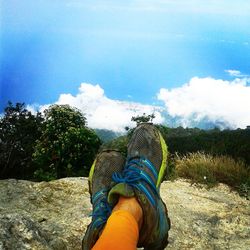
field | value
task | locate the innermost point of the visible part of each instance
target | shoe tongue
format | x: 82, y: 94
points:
x: 120, y: 189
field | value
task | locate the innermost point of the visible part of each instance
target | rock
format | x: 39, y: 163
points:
x: 212, y: 219
x: 20, y: 232
x: 54, y: 215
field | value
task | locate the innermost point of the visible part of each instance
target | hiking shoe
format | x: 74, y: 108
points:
x: 100, y: 183
x: 141, y: 177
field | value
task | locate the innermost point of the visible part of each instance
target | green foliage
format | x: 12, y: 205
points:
x: 244, y: 190
x: 41, y: 174
x: 143, y: 118
x: 67, y: 147
x: 235, y: 143
x: 107, y: 135
x: 61, y: 145
x: 139, y: 119
x: 171, y: 172
x: 210, y: 170
x: 119, y: 144
x: 19, y: 130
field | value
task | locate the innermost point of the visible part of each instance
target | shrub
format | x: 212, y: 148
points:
x: 119, y: 144
x: 67, y: 147
x: 208, y: 169
x: 19, y: 130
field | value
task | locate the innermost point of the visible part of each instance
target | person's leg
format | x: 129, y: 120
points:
x: 122, y: 229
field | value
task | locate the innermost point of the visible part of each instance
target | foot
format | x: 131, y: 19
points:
x: 100, y: 183
x: 142, y: 176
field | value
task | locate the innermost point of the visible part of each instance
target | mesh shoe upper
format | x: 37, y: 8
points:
x: 144, y: 170
x: 145, y: 142
x: 100, y: 182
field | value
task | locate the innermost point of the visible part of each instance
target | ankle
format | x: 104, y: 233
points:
x: 132, y: 206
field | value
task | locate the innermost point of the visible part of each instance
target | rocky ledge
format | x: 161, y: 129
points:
x: 54, y: 215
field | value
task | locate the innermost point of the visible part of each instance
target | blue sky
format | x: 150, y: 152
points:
x: 132, y: 49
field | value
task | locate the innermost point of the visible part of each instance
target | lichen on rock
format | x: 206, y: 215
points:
x: 55, y: 215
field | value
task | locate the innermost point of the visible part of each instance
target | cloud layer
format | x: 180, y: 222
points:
x: 211, y: 99
x: 200, y: 101
x: 104, y: 113
x: 236, y: 73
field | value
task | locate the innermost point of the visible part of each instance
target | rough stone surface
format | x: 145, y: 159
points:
x: 54, y: 215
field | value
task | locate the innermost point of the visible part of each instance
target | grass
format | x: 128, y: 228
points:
x: 211, y: 170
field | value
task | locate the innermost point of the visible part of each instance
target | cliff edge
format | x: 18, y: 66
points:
x: 54, y: 215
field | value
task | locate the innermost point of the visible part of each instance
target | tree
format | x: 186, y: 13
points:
x: 120, y: 143
x: 19, y: 129
x: 143, y: 118
x: 139, y: 119
x: 67, y: 147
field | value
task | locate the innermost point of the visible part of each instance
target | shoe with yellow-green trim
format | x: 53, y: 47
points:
x: 141, y: 177
x: 100, y: 183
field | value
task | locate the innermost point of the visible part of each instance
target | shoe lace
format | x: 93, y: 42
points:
x: 134, y: 175
x: 102, y: 209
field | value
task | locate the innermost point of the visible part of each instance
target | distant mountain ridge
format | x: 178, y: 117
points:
x: 107, y: 135
x: 205, y: 123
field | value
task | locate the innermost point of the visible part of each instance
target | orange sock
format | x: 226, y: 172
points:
x: 120, y: 233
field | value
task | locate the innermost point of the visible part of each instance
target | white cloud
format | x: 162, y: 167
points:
x: 32, y: 108
x: 212, y: 99
x: 104, y: 113
x: 198, y: 101
x: 235, y: 73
